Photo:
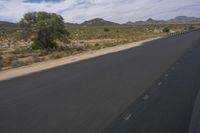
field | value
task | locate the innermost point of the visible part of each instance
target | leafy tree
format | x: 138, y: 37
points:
x: 45, y: 28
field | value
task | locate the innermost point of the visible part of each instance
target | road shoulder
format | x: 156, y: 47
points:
x: 25, y: 70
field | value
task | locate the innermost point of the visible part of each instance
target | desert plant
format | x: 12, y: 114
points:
x: 166, y: 30
x: 57, y: 55
x: 1, y: 62
x: 96, y: 44
x: 18, y: 63
x: 9, y: 58
x: 35, y: 59
x: 106, y: 29
x: 191, y: 27
x: 46, y: 27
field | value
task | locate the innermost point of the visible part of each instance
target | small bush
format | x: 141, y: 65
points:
x: 1, y: 62
x: 41, y: 52
x: 57, y: 55
x: 97, y: 44
x: 36, y: 45
x: 1, y: 56
x: 9, y: 58
x: 191, y: 27
x: 166, y: 30
x: 18, y: 63
x: 35, y: 59
x: 106, y: 29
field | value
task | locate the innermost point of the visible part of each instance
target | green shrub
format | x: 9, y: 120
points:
x: 36, y: 45
x: 166, y: 30
x: 106, y: 29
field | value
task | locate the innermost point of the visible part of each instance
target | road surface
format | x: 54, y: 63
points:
x: 170, y: 103
x: 87, y: 96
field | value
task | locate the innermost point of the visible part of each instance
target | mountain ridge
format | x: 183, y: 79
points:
x: 98, y: 22
x: 103, y: 22
x: 176, y: 20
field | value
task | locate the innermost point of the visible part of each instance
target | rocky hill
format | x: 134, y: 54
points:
x: 98, y: 22
x: 176, y: 20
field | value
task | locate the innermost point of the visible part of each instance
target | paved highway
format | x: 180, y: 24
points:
x: 86, y: 97
x: 170, y: 103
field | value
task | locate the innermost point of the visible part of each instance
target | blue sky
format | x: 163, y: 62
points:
x: 114, y: 10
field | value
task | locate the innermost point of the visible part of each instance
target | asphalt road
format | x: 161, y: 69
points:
x: 169, y: 106
x: 86, y: 97
x: 195, y: 117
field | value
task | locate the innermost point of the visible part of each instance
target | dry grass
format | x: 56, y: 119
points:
x: 19, y: 53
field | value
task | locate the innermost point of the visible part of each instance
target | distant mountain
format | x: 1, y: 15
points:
x: 102, y: 22
x: 92, y: 23
x: 149, y: 21
x: 7, y: 27
x: 98, y: 22
x: 176, y: 20
x: 72, y: 24
x: 184, y: 19
x: 6, y: 23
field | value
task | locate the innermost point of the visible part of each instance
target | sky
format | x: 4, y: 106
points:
x: 120, y: 11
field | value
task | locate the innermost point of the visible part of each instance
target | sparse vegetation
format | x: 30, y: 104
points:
x: 23, y: 46
x: 18, y: 63
x: 57, y: 55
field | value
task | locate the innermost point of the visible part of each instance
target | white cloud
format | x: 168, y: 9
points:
x: 114, y: 10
